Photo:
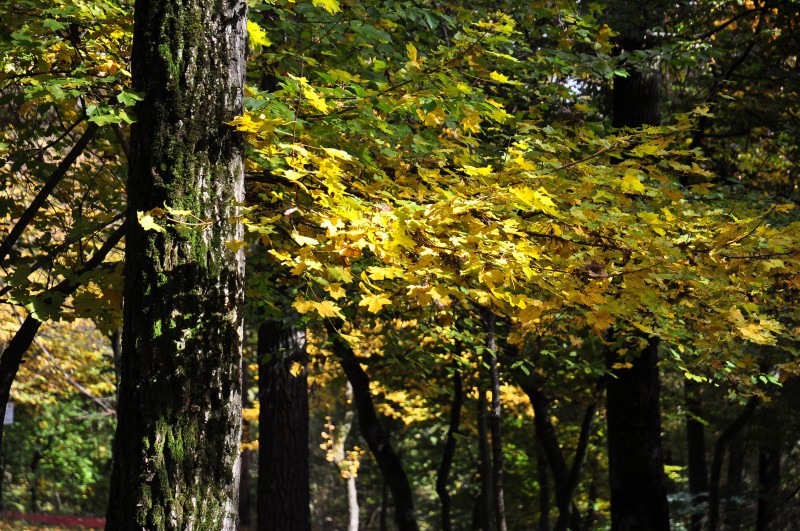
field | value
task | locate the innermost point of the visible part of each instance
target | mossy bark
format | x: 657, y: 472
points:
x: 177, y: 443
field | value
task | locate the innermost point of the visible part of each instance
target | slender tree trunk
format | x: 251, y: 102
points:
x: 375, y: 434
x: 696, y: 449
x: 635, y: 462
x: 448, y: 454
x: 179, y: 419
x: 245, y: 500
x: 495, y: 420
x: 283, y: 474
x: 341, y: 433
x: 245, y: 505
x: 483, y: 509
x: 544, y: 487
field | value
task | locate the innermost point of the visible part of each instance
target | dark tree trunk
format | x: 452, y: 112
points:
x: 734, y: 483
x: 495, y: 419
x: 716, y: 462
x: 245, y: 499
x: 544, y: 487
x: 696, y: 450
x: 565, y: 480
x: 449, y: 451
x: 283, y: 474
x: 769, y: 471
x: 482, y: 516
x: 635, y: 462
x: 376, y: 435
x: 176, y: 450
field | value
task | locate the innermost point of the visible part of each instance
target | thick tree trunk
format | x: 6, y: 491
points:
x: 696, y: 450
x: 443, y: 474
x: 769, y: 471
x: 283, y: 474
x: 734, y: 484
x: 177, y: 445
x: 376, y: 435
x: 635, y: 462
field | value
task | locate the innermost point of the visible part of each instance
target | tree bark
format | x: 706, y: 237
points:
x: 376, y: 435
x: 449, y: 451
x: 283, y: 473
x: 696, y: 450
x: 635, y: 462
x: 483, y: 509
x: 544, y: 486
x: 179, y: 420
x: 769, y: 470
x: 341, y: 433
x: 719, y: 453
x: 495, y: 419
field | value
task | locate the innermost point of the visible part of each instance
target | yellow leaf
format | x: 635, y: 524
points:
x: 327, y: 309
x: 148, y: 223
x: 296, y: 369
x: 412, y: 52
x: 433, y: 118
x: 375, y: 302
x: 331, y: 6
x: 336, y: 290
x: 631, y: 184
x: 256, y: 35
x: 471, y: 120
x: 302, y: 305
x: 303, y: 240
x: 235, y: 245
x: 500, y: 78
x: 316, y: 101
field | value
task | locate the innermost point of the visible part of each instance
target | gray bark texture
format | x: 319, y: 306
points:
x: 177, y: 445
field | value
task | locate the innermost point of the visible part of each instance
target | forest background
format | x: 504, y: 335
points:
x: 538, y: 250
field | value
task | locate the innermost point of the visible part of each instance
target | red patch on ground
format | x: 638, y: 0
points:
x: 56, y: 519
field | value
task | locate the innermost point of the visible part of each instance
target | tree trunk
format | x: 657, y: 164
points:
x: 283, y: 473
x: 179, y: 420
x: 376, y: 435
x: 495, y: 420
x: 734, y: 484
x: 544, y: 486
x: 696, y: 449
x: 636, y: 465
x: 716, y: 462
x: 443, y: 473
x: 769, y: 471
x: 482, y: 516
x: 635, y: 462
x: 339, y: 454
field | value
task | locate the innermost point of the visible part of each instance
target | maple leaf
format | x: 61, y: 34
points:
x: 375, y: 302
